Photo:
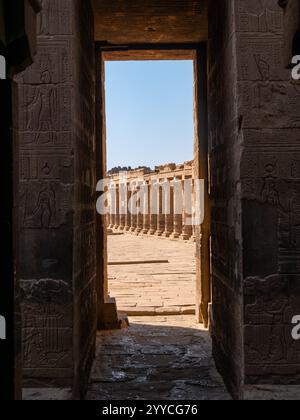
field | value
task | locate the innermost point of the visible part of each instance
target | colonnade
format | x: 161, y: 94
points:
x: 156, y: 210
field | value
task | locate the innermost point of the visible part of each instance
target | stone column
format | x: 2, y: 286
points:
x: 117, y: 215
x: 110, y: 224
x: 128, y: 212
x: 109, y: 220
x: 153, y: 207
x: 132, y: 210
x: 193, y: 237
x: 177, y: 208
x: 187, y: 228
x: 146, y: 215
x: 169, y: 210
x: 140, y: 216
x: 123, y: 204
x: 113, y: 206
x: 160, y: 216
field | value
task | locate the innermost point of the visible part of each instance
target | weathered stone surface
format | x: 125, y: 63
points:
x: 149, y: 289
x: 254, y: 146
x: 47, y: 394
x: 160, y: 358
x: 17, y: 49
x: 252, y: 241
x: 54, y: 125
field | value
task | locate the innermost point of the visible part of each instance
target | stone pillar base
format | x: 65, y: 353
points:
x: 167, y: 234
x: 175, y: 236
x: 108, y: 317
x: 184, y: 237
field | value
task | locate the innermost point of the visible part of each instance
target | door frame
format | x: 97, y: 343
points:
x: 139, y: 52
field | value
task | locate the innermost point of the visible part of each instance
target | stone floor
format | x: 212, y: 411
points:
x: 161, y: 357
x: 143, y: 288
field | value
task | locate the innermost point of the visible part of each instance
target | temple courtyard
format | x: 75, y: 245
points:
x: 150, y: 275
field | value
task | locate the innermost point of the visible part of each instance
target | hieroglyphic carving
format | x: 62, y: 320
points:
x: 55, y: 18
x: 44, y: 205
x: 56, y: 167
x: 45, y: 108
x: 269, y: 307
x: 259, y: 16
x: 45, y: 167
x: 47, y: 324
x: 53, y: 63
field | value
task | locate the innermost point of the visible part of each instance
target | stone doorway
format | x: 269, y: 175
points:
x: 169, y: 303
x: 160, y: 225
x: 254, y: 184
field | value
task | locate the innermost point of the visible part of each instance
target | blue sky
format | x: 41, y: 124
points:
x: 149, y: 112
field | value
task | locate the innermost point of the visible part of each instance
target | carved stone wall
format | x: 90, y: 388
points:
x: 225, y: 147
x: 54, y: 104
x: 255, y: 189
x: 17, y: 45
x: 269, y: 102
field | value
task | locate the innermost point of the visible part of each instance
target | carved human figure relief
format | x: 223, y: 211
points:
x: 46, y: 207
x: 43, y: 214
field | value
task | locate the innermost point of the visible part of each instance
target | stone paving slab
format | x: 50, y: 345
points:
x: 160, y: 357
x: 149, y: 289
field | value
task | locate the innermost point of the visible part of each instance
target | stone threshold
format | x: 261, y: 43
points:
x: 143, y: 262
x: 159, y: 311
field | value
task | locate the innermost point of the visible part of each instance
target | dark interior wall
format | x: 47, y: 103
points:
x: 269, y: 102
x: 17, y: 45
x: 85, y: 304
x: 255, y: 189
x: 54, y: 108
x: 225, y: 146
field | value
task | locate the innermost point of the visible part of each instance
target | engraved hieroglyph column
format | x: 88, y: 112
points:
x: 113, y: 206
x: 160, y: 214
x: 123, y: 200
x: 140, y: 205
x: 133, y: 207
x: 169, y: 209
x: 111, y: 220
x: 128, y: 213
x: 146, y: 209
x: 187, y: 225
x: 117, y: 208
x: 178, y: 207
x: 153, y: 186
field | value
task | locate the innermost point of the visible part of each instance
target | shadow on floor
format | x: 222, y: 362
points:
x: 161, y: 358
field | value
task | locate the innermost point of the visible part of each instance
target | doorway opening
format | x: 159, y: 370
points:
x: 149, y: 142
x: 152, y: 232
